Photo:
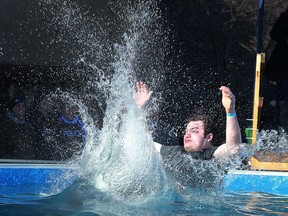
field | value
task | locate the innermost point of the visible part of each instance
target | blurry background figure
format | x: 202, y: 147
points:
x: 276, y: 75
x: 17, y: 137
x: 44, y: 121
x: 71, y: 135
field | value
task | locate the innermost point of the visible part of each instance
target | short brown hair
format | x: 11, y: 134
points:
x: 199, y: 115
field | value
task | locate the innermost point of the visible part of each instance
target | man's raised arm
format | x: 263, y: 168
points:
x: 233, y: 133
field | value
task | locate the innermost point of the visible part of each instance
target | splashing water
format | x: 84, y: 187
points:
x: 273, y: 141
x: 125, y: 161
x: 127, y: 165
x: 121, y: 161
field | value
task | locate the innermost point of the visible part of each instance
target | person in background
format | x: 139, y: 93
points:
x: 71, y: 134
x: 18, y: 140
x: 44, y: 122
x: 276, y: 75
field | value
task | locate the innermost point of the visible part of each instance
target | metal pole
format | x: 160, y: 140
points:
x: 260, y: 25
x: 260, y: 58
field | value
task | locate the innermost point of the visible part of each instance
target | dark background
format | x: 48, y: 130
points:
x: 215, y: 40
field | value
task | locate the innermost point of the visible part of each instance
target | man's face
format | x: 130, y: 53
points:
x: 46, y: 104
x: 194, y: 138
x: 19, y: 110
x: 71, y: 111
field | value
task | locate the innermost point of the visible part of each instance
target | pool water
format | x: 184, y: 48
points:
x: 83, y: 199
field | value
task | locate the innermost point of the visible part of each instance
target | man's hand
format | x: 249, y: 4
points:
x: 228, y: 99
x: 142, y: 94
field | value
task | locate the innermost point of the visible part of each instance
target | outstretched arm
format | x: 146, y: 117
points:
x: 141, y: 97
x: 233, y: 133
x: 142, y: 94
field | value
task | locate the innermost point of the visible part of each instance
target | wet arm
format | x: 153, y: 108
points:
x: 141, y: 97
x: 233, y: 133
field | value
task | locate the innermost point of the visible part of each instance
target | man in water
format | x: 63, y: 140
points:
x: 198, y: 136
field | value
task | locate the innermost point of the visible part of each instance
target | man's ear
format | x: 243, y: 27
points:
x: 209, y: 137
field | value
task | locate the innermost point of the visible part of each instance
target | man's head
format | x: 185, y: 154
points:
x: 198, y: 133
x: 70, y: 111
x: 45, y: 104
x: 18, y: 107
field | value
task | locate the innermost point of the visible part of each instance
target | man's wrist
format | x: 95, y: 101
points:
x: 233, y: 114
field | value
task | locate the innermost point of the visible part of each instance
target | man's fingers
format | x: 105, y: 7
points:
x: 149, y: 94
x: 226, y: 91
x: 138, y: 86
